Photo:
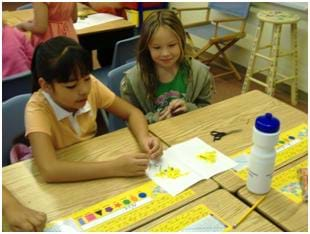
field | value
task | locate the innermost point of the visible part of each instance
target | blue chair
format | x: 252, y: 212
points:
x: 124, y: 51
x: 218, y: 32
x: 16, y: 84
x: 115, y: 77
x: 25, y: 7
x: 12, y: 123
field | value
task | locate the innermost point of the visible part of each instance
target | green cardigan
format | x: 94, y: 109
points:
x: 199, y: 90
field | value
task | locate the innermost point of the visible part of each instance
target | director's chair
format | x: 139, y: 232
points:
x: 216, y: 30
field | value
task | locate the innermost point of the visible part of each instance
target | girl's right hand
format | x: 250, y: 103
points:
x: 131, y: 165
x: 165, y: 114
x: 21, y: 218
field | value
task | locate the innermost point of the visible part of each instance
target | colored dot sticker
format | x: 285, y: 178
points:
x: 126, y: 202
x: 281, y: 142
x: 142, y: 195
x: 134, y: 198
x: 291, y: 137
x: 81, y: 221
x: 90, y: 217
x: 108, y: 209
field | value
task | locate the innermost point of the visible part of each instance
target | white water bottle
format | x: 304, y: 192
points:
x: 263, y: 153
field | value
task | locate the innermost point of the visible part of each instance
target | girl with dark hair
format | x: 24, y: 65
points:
x: 62, y: 112
x: 166, y: 81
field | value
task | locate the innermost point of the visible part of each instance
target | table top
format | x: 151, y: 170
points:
x: 225, y: 206
x: 238, y: 112
x: 55, y: 199
x: 14, y: 17
x: 277, y: 207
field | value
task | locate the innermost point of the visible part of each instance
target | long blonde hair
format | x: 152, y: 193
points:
x: 151, y: 24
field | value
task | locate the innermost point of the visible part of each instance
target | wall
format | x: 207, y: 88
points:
x: 241, y: 52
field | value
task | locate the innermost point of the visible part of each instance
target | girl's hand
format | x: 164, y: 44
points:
x: 165, y: 114
x: 152, y: 146
x: 178, y: 106
x: 23, y: 26
x: 21, y: 218
x: 131, y: 165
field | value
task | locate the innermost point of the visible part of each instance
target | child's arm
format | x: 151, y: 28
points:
x: 130, y: 96
x: 138, y: 125
x: 56, y: 170
x: 74, y: 15
x: 39, y: 25
x: 206, y: 87
x: 19, y: 217
x: 98, y: 6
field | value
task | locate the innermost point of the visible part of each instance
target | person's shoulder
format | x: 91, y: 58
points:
x: 198, y: 66
x: 93, y: 79
x: 133, y: 74
x: 37, y: 101
x: 133, y: 70
x: 196, y: 63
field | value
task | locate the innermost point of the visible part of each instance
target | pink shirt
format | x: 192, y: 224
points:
x: 59, y: 22
x: 16, y: 52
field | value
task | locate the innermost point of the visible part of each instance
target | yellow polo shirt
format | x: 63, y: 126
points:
x: 42, y: 114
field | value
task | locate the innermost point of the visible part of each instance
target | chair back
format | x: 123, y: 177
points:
x: 17, y: 84
x: 12, y: 123
x: 124, y: 51
x: 115, y: 77
x: 238, y: 9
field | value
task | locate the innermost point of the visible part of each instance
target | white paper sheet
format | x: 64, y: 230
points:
x: 187, y: 153
x: 183, y: 158
x: 170, y: 185
x: 206, y: 224
x: 95, y: 19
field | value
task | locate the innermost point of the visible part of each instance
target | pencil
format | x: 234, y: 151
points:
x: 243, y: 217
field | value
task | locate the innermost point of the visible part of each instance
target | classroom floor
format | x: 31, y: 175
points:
x: 228, y: 86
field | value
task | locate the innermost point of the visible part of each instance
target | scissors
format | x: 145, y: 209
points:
x: 218, y: 135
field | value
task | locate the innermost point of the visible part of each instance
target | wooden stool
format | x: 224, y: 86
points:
x: 277, y: 19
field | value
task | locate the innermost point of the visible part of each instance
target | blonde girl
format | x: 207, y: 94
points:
x: 166, y: 81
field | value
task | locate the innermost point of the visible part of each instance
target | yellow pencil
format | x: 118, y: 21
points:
x: 243, y: 217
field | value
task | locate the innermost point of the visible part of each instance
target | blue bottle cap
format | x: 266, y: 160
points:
x: 267, y: 123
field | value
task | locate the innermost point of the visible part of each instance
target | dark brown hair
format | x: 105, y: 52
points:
x: 57, y: 59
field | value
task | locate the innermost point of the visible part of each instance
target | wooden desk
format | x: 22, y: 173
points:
x: 226, y: 206
x: 60, y: 199
x: 96, y: 37
x: 280, y: 209
x: 15, y: 17
x: 238, y: 112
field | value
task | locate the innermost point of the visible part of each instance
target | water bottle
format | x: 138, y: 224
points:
x: 263, y: 153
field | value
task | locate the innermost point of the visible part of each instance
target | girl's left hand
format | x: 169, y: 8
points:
x: 152, y: 146
x: 178, y: 106
x: 22, y: 26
